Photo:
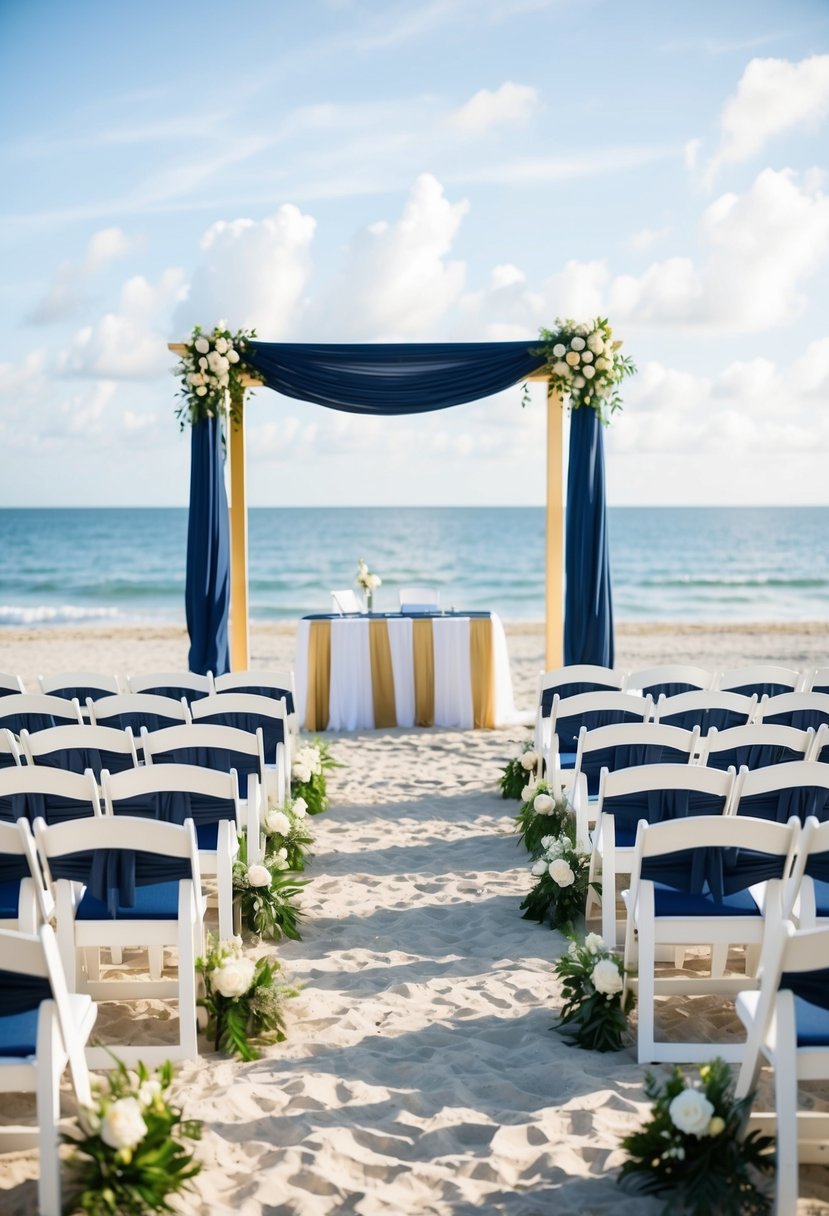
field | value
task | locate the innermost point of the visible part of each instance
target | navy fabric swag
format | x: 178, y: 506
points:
x: 588, y: 607
x: 207, y: 588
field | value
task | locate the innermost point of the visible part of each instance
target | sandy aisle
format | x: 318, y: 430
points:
x: 420, y: 1077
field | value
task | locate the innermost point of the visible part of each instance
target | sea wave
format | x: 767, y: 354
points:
x: 52, y: 614
x: 733, y: 581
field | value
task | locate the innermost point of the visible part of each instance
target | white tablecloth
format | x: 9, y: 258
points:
x: 350, y: 700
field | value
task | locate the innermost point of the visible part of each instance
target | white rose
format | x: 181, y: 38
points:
x: 233, y: 977
x: 582, y: 328
x: 594, y: 942
x: 603, y: 364
x: 561, y: 369
x: 559, y: 350
x: 222, y: 364
x: 539, y: 867
x: 299, y: 808
x: 588, y: 371
x: 301, y: 772
x: 214, y: 360
x: 233, y: 356
x: 579, y: 381
x: 561, y: 873
x: 123, y: 1124
x: 259, y: 876
x: 202, y: 345
x: 606, y: 978
x: 691, y: 1112
x: 577, y: 343
x: 221, y: 346
x: 529, y: 760
x: 595, y: 343
x: 543, y: 804
x: 278, y: 821
x: 586, y: 356
x: 201, y: 391
x: 203, y: 363
x: 572, y: 358
x: 373, y: 581
x: 528, y: 793
x: 546, y: 841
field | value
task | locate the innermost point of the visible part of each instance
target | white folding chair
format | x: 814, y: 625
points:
x: 419, y: 599
x: 346, y: 601
x: 36, y: 711
x: 707, y: 709
x: 668, y: 679
x: 761, y: 679
x: 80, y: 686
x: 816, y: 679
x: 591, y: 709
x: 175, y: 684
x: 165, y: 908
x: 31, y: 790
x: 223, y: 749
x: 807, y: 899
x: 10, y: 683
x: 798, y: 709
x: 246, y: 711
x: 651, y: 792
x: 210, y: 799
x: 279, y: 685
x: 668, y: 904
x: 570, y: 682
x: 25, y: 901
x: 787, y: 1023
x: 9, y: 751
x: 77, y: 748
x: 757, y: 745
x: 799, y: 787
x: 43, y: 1027
x: 137, y: 709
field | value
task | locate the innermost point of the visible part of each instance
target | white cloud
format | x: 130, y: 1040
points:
x: 509, y: 104
x: 128, y: 344
x: 253, y: 273
x: 773, y: 96
x: 65, y: 296
x: 396, y: 282
x: 646, y: 237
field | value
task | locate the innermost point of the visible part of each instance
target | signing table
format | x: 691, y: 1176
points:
x: 394, y: 669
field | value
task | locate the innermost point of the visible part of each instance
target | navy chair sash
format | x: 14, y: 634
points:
x: 135, y: 719
x: 811, y: 986
x: 273, y: 731
x: 26, y: 721
x: 569, y: 728
x: 705, y: 719
x: 176, y: 806
x: 83, y: 692
x: 627, y: 755
x: 670, y: 688
x: 817, y: 866
x: 176, y: 691
x: 713, y: 870
x: 79, y: 759
x: 13, y: 867
x: 762, y: 689
x: 779, y: 805
x: 218, y: 759
x: 800, y: 719
x: 51, y: 807
x: 756, y: 755
x: 276, y: 694
x: 112, y: 875
x: 22, y: 993
x: 575, y: 689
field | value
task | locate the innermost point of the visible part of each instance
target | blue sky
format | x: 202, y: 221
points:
x: 351, y: 170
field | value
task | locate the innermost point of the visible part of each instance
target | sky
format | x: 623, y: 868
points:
x: 438, y: 170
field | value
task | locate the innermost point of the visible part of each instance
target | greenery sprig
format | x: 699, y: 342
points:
x: 583, y: 363
x: 559, y: 896
x: 266, y: 892
x: 132, y: 1155
x: 596, y: 1006
x: 211, y: 374
x: 518, y: 771
x: 693, y: 1149
x: 244, y: 999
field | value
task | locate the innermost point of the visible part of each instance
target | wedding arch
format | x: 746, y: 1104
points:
x: 393, y: 379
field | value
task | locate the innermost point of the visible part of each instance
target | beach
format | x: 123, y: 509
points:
x: 420, y: 1076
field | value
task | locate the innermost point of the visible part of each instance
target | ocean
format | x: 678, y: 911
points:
x: 126, y: 565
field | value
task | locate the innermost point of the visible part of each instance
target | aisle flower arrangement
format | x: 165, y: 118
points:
x: 265, y: 892
x: 244, y: 999
x: 310, y: 764
x: 559, y: 896
x: 693, y: 1151
x: 596, y: 1007
x: 516, y: 772
x: 544, y: 812
x: 132, y: 1155
x: 211, y: 374
x: 287, y: 835
x: 583, y: 363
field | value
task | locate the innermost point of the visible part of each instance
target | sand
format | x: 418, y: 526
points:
x: 420, y: 1076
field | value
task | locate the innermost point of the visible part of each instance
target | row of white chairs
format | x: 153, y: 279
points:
x: 109, y: 683
x: 588, y: 676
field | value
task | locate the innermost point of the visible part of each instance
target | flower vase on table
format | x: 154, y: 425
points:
x: 368, y: 583
x: 369, y: 601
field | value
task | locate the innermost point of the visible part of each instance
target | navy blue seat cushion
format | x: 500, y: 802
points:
x: 156, y: 901
x: 812, y: 1024
x: 9, y: 899
x: 821, y: 898
x: 567, y: 759
x: 672, y: 903
x: 18, y: 1034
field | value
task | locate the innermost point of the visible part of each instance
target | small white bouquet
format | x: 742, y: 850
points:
x: 368, y: 582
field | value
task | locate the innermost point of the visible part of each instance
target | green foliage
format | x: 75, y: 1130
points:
x: 559, y: 900
x: 139, y: 1172
x: 716, y: 1169
x: 211, y: 374
x: 583, y: 364
x: 596, y: 1008
x: 267, y: 907
x: 518, y: 771
x: 244, y: 999
x: 310, y: 765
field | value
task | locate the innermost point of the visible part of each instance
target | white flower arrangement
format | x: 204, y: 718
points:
x: 544, y: 813
x: 265, y: 893
x: 243, y: 998
x: 365, y: 579
x: 595, y: 1006
x: 516, y: 771
x: 559, y: 896
x: 210, y: 373
x: 310, y: 764
x: 287, y: 836
x: 584, y: 364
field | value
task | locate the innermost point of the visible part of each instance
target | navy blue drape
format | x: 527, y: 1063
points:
x: 207, y: 592
x: 394, y: 377
x: 588, y: 608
